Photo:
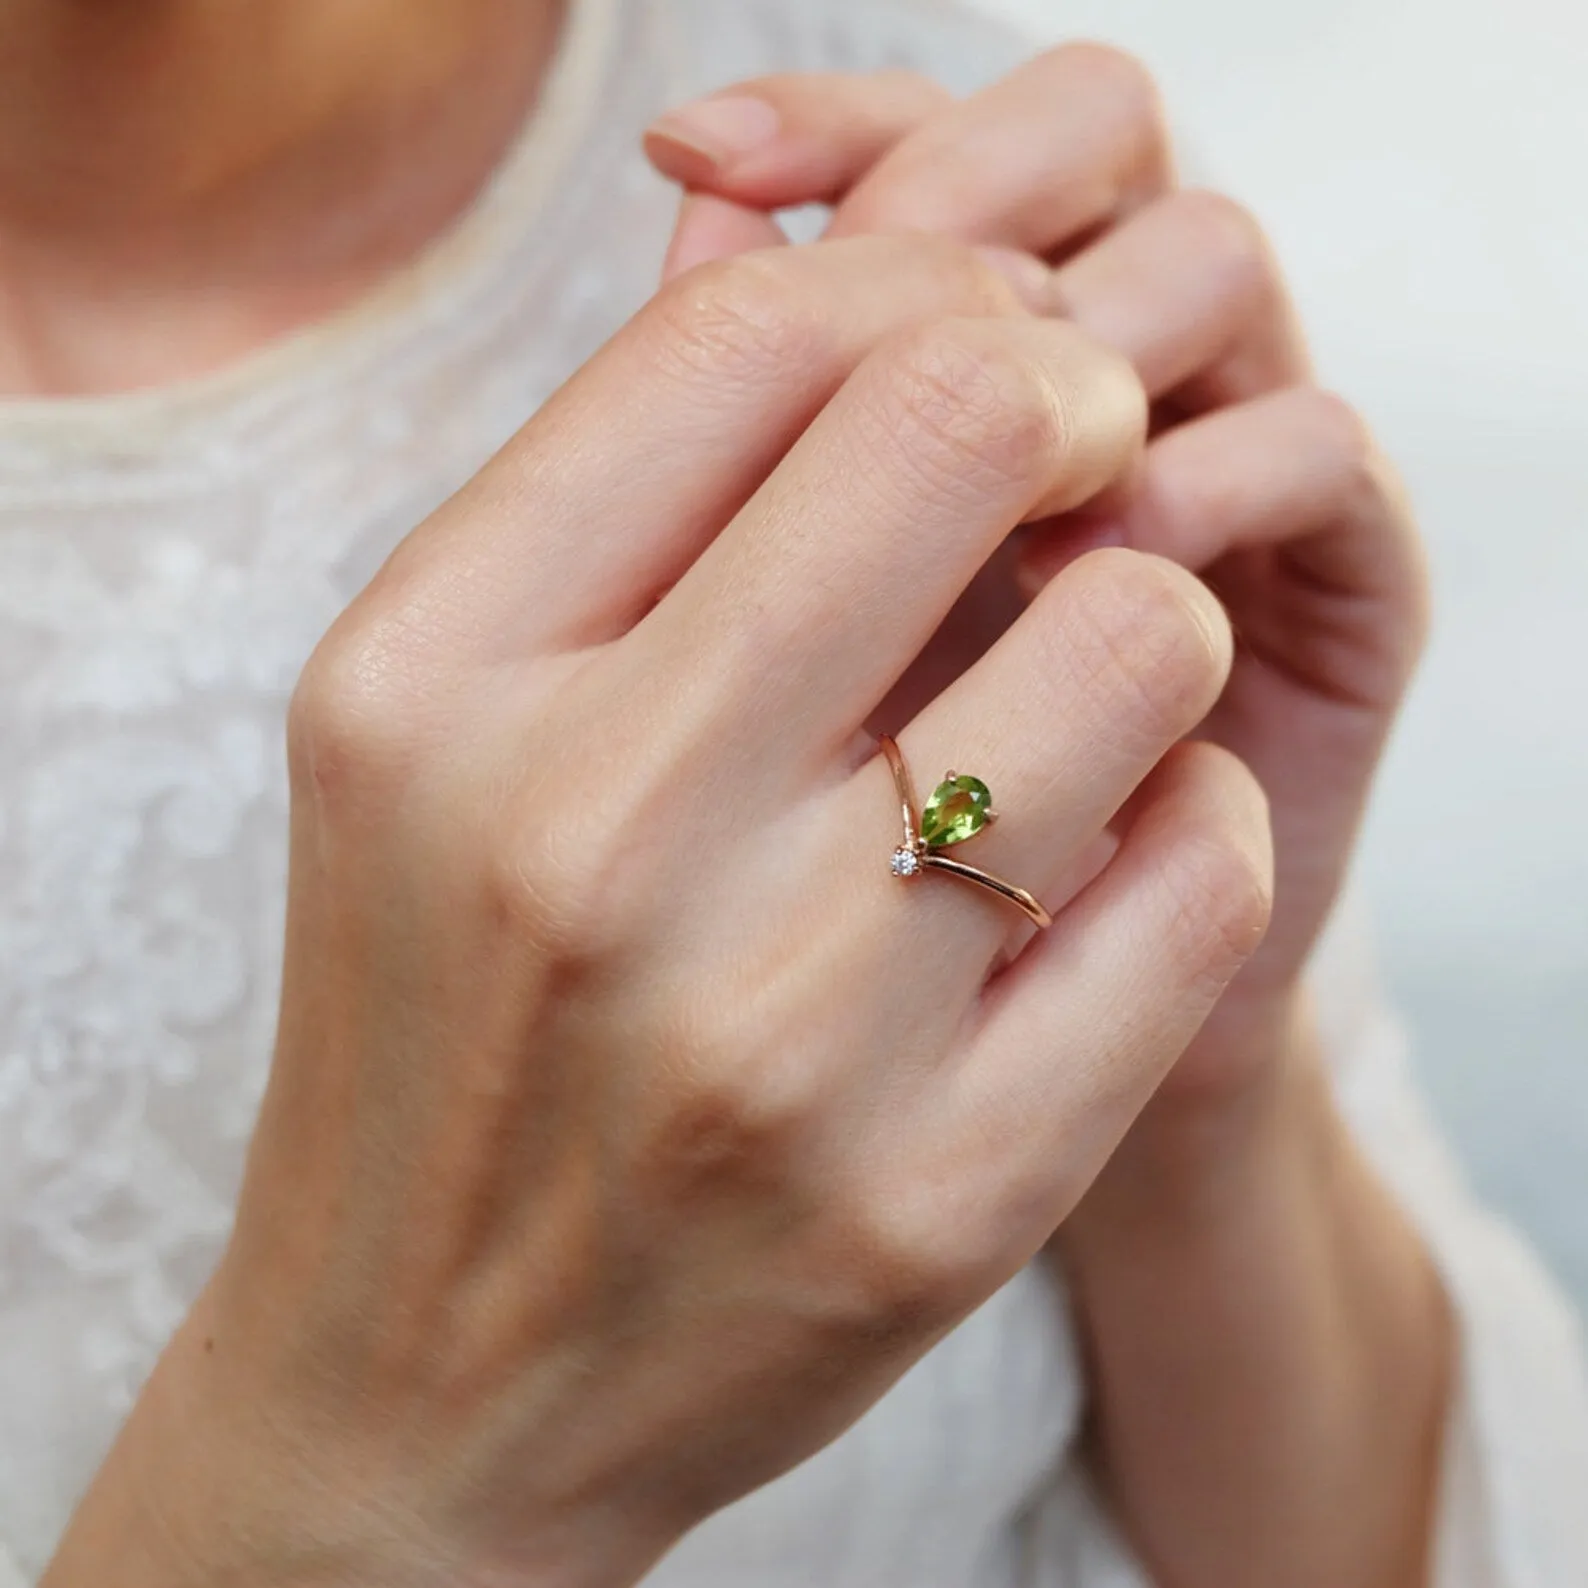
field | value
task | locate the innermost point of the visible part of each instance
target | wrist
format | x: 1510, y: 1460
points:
x: 214, y: 1483
x: 1248, y: 1185
x: 1209, y: 1141
x: 1261, y: 1316
x: 181, y: 1503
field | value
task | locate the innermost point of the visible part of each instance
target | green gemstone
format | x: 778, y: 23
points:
x: 956, y: 811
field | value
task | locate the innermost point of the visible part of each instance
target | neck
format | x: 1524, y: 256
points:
x: 181, y: 181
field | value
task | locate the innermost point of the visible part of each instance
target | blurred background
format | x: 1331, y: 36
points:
x: 1420, y: 164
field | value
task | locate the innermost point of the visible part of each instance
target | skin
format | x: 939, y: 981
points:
x: 182, y: 182
x: 1269, y: 1345
x: 601, y: 1179
x: 501, y: 1147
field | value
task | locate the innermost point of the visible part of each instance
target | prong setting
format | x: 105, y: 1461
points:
x: 957, y: 811
x: 906, y: 862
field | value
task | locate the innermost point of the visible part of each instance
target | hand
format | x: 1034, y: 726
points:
x: 630, y: 1128
x: 1270, y: 488
x: 1268, y: 1345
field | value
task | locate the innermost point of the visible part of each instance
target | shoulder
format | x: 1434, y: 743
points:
x: 725, y: 40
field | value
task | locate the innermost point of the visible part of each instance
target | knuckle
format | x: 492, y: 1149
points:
x: 573, y: 885
x: 574, y: 855
x: 902, y: 1259
x: 572, y: 862
x: 964, y: 277
x: 1370, y: 491
x: 737, y: 1101
x: 1223, y: 230
x: 1220, y: 878
x: 741, y: 320
x: 1368, y: 477
x: 1151, y: 643
x: 1416, y: 598
x: 974, y: 410
x: 358, y: 711
x: 1346, y: 432
x: 1116, y: 69
x: 1126, y: 83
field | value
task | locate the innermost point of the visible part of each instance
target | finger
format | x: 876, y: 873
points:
x: 1189, y: 290
x: 1114, y: 663
x: 711, y: 228
x: 605, y: 498
x: 1299, y: 471
x: 813, y: 602
x: 792, y: 138
x: 1077, y: 1035
x: 1064, y: 145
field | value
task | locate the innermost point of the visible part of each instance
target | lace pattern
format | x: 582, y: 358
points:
x: 168, y: 560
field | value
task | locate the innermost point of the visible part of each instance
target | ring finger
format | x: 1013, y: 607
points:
x: 1116, y: 660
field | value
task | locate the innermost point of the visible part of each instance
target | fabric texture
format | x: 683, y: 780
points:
x: 167, y: 561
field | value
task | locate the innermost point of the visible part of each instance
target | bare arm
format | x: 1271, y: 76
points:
x: 1270, y: 1348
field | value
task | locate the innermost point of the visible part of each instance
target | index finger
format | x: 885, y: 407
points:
x: 601, y: 503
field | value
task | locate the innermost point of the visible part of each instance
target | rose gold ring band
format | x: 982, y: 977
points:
x: 962, y: 807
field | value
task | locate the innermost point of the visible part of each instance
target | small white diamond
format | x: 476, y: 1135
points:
x: 905, y: 862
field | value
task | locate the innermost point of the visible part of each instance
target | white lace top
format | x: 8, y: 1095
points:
x: 166, y: 562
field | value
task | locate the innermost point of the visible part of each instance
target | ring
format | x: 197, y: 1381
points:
x: 960, y: 807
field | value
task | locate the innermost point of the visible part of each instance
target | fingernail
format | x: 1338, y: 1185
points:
x: 1028, y: 275
x: 713, y: 133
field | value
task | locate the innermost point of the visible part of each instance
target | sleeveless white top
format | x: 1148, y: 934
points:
x: 167, y: 560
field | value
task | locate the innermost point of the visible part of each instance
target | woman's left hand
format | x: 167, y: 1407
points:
x: 1269, y: 1346
x: 1266, y: 485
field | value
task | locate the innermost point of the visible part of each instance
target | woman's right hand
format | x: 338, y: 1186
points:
x: 631, y: 1128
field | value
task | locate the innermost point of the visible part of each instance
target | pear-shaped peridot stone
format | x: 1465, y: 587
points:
x: 957, y: 810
